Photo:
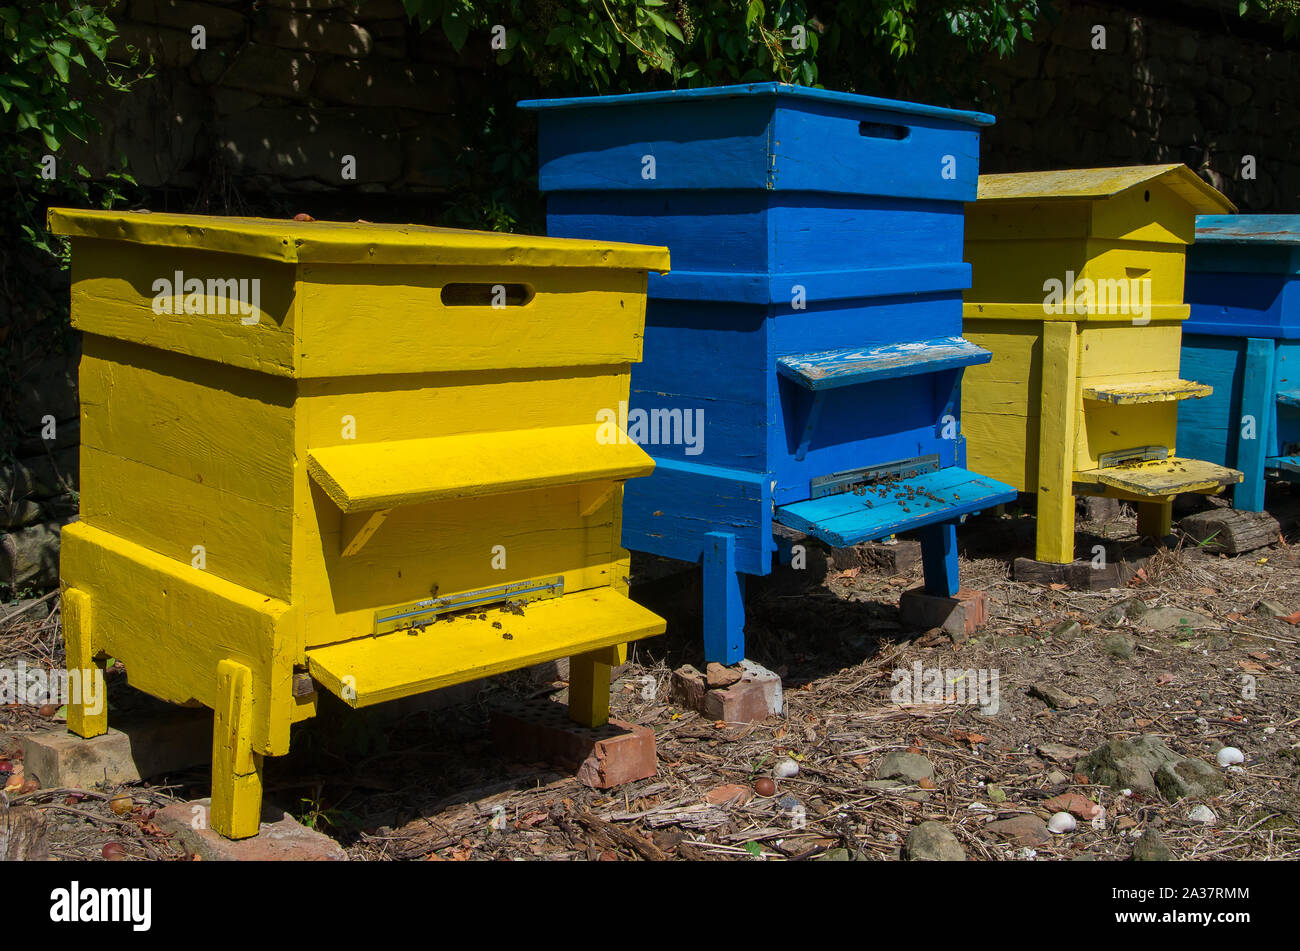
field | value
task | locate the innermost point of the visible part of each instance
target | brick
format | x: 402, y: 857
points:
x: 756, y: 697
x: 281, y: 838
x: 601, y: 757
x: 963, y: 614
x: 133, y: 751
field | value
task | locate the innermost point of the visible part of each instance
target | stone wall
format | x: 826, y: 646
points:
x: 285, y: 89
x: 1177, y: 82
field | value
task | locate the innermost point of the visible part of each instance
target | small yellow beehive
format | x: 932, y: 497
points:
x: 361, y: 456
x: 1077, y: 290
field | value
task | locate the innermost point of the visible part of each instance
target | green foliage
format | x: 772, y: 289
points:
x: 47, y: 49
x: 532, y: 48
x: 1285, y: 12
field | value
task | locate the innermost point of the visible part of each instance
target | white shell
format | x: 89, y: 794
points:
x: 1203, y: 814
x: 785, y: 768
x: 1230, y: 756
x: 1062, y: 822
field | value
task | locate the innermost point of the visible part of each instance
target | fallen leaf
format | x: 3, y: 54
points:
x: 1057, y: 586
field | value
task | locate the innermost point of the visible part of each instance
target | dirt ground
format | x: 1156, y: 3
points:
x: 427, y: 783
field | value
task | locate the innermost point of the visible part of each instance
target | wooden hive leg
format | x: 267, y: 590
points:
x: 939, y: 558
x: 236, y: 769
x: 724, y: 601
x: 1256, y: 402
x: 1058, y: 422
x: 1155, y: 519
x: 88, y: 705
x: 589, y: 684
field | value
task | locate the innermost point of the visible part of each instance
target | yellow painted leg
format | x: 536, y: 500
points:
x: 1155, y: 519
x: 589, y: 684
x: 88, y: 705
x: 1058, y: 421
x: 236, y: 769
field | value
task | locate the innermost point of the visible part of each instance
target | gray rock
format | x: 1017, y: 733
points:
x: 1128, y: 764
x: 898, y: 787
x: 1189, y: 777
x: 1128, y: 609
x: 1152, y: 848
x: 910, y: 766
x: 29, y: 557
x: 932, y: 842
x: 1119, y: 645
x: 1067, y: 630
x: 1176, y: 619
x: 1270, y: 609
x: 1054, y: 696
x: 1060, y: 753
x: 837, y: 855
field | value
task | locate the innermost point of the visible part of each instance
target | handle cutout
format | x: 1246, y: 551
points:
x: 883, y: 130
x: 487, y: 295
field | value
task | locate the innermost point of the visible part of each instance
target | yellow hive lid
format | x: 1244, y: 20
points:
x: 1101, y: 183
x: 342, y: 242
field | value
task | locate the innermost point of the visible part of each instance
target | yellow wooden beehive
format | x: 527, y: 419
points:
x: 374, y: 465
x: 1077, y: 290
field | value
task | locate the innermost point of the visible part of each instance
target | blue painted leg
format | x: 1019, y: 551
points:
x: 724, y: 602
x: 939, y: 558
x: 1256, y: 402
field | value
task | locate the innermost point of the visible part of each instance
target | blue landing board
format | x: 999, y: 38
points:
x: 832, y: 368
x: 1286, y: 466
x: 897, y: 506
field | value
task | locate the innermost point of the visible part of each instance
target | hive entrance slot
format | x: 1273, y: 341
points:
x: 486, y: 295
x: 883, y: 130
x: 852, y: 480
x: 1121, y: 457
x: 418, y: 614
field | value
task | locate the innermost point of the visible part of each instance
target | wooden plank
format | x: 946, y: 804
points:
x: 589, y: 677
x: 88, y: 712
x: 939, y: 557
x: 370, y: 670
x: 834, y: 368
x: 1058, y: 422
x: 345, y: 242
x: 1163, y: 477
x: 724, y: 601
x: 1256, y: 386
x: 236, y: 770
x: 372, y: 476
x: 888, y: 508
x: 1150, y: 391
x: 1233, y: 530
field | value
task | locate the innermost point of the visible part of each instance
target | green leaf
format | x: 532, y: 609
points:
x: 456, y: 31
x: 754, y: 849
x: 753, y: 13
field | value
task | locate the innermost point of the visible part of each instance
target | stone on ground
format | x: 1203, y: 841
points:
x: 910, y: 766
x: 932, y: 842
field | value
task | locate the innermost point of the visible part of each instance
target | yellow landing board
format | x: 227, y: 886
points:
x: 1148, y: 391
x: 373, y: 476
x: 371, y: 670
x: 1162, y: 477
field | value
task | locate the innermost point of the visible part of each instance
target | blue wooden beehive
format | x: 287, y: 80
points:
x: 1243, y: 338
x: 811, y: 322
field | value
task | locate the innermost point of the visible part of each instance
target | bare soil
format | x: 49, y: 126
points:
x: 427, y: 784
